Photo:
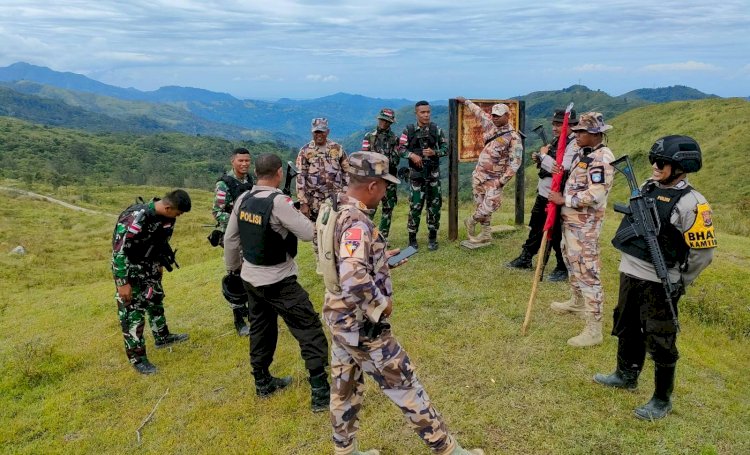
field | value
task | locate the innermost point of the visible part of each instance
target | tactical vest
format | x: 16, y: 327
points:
x: 261, y: 245
x: 415, y: 144
x: 671, y: 241
x: 146, y: 246
x: 385, y: 142
x: 235, y: 188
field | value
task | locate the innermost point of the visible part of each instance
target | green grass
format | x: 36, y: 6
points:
x: 66, y: 386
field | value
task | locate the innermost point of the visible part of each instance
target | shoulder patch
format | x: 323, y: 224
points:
x: 701, y: 234
x: 597, y: 174
x: 351, y: 244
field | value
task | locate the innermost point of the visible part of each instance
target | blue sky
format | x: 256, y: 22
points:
x: 432, y: 49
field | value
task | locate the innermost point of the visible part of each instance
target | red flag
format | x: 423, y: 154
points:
x: 557, y: 178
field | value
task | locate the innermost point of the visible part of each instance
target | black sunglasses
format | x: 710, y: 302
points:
x: 660, y: 163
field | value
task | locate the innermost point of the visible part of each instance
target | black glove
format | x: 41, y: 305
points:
x: 216, y: 238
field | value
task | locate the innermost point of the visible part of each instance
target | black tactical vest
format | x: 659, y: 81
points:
x: 235, y: 188
x: 418, y: 140
x: 543, y: 174
x: 147, y: 246
x: 385, y: 142
x: 672, y: 244
x: 261, y: 245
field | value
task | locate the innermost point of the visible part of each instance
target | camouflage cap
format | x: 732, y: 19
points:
x: 593, y: 122
x: 319, y: 124
x: 370, y: 164
x: 387, y: 114
x: 500, y: 109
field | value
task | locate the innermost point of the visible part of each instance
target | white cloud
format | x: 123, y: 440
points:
x: 321, y: 78
x: 682, y: 66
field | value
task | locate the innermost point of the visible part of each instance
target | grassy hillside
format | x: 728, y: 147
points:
x: 66, y: 386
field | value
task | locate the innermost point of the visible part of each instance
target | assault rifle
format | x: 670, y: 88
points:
x: 291, y: 173
x: 429, y: 163
x: 644, y: 222
x: 167, y: 257
x: 539, y: 130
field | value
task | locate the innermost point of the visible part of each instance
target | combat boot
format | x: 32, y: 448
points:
x: 266, y: 385
x: 239, y: 322
x: 170, y: 339
x: 413, y: 240
x: 485, y: 235
x: 559, y: 274
x: 574, y: 305
x: 523, y: 261
x: 591, y: 335
x: 433, y: 245
x: 456, y: 449
x: 353, y: 449
x: 630, y: 357
x: 145, y: 367
x: 471, y: 226
x: 661, y: 402
x: 320, y: 392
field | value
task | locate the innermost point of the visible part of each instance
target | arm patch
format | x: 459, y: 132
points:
x: 596, y: 174
x: 701, y: 234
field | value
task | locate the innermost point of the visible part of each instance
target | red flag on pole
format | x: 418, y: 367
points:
x: 557, y: 178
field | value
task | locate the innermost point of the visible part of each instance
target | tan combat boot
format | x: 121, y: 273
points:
x: 471, y: 227
x: 353, y: 450
x: 574, y: 305
x: 591, y: 334
x: 456, y: 449
x: 485, y: 235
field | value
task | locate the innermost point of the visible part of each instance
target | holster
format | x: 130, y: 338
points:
x: 372, y: 330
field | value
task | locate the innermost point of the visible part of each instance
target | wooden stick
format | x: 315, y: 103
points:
x: 148, y: 417
x: 537, y: 274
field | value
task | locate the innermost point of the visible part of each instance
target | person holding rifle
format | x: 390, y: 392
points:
x: 645, y: 319
x: 497, y: 164
x: 546, y: 162
x: 583, y: 205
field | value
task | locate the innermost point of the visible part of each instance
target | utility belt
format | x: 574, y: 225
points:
x: 369, y: 330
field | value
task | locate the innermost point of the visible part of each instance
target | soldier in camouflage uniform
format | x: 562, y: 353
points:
x: 323, y: 167
x: 140, y: 250
x: 228, y: 188
x: 357, y: 312
x: 423, y: 144
x: 383, y: 141
x: 583, y: 205
x: 497, y: 164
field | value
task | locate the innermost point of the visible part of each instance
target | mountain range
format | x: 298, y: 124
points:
x: 76, y: 101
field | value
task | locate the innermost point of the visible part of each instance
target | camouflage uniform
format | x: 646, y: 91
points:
x: 585, y: 195
x: 425, y: 183
x: 135, y: 242
x: 322, y: 173
x: 497, y: 164
x: 224, y: 198
x: 384, y: 141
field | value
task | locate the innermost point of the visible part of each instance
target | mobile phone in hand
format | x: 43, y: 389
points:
x: 403, y: 254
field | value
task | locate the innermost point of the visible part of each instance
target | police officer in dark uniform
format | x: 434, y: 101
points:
x: 228, y: 189
x: 643, y: 321
x: 260, y: 245
x: 423, y: 144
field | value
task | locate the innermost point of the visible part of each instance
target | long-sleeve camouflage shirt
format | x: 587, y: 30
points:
x: 385, y: 143
x: 588, y: 185
x: 138, y: 234
x: 364, y: 276
x: 224, y: 201
x: 322, y: 172
x: 501, y: 157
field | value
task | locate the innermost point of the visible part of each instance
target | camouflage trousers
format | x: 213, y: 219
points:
x: 424, y: 191
x: 580, y: 246
x: 388, y: 204
x: 388, y: 364
x: 147, y: 300
x: 488, y: 195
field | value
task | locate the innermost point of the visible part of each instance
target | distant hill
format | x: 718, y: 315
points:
x: 667, y: 94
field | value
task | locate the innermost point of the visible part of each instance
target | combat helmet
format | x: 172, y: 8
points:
x: 233, y: 290
x: 681, y: 151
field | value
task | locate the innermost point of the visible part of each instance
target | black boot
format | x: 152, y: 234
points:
x: 145, y: 367
x: 320, y: 397
x: 239, y: 322
x: 170, y: 339
x: 661, y: 402
x: 433, y: 245
x: 413, y: 240
x: 266, y: 385
x: 559, y: 274
x: 630, y: 358
x: 521, y: 262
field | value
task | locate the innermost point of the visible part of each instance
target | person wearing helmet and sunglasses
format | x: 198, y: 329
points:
x: 643, y: 322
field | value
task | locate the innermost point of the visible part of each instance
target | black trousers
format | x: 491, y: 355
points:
x: 643, y: 321
x: 536, y: 223
x: 290, y: 301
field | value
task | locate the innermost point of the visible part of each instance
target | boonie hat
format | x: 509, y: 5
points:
x: 319, y: 124
x: 593, y: 122
x: 559, y: 116
x: 387, y: 114
x: 500, y: 109
x: 370, y: 164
